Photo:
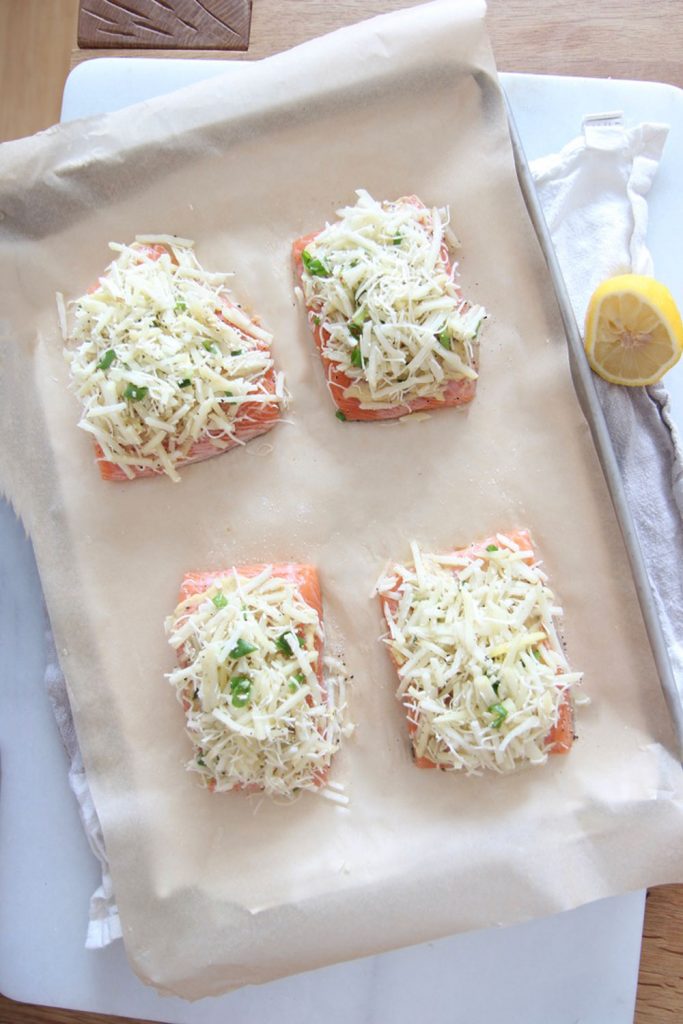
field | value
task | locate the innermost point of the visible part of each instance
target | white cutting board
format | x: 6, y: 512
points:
x: 576, y: 967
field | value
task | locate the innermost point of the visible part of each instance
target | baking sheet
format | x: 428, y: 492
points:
x: 216, y: 892
x: 584, y: 385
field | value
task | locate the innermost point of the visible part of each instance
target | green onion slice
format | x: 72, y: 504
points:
x: 501, y: 713
x: 295, y: 682
x: 283, y: 644
x: 240, y: 688
x: 134, y: 393
x: 241, y: 649
x: 314, y: 266
x: 107, y: 359
x: 220, y: 600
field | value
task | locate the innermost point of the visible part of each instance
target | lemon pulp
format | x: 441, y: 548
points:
x: 634, y: 332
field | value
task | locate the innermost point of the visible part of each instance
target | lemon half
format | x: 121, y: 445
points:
x: 634, y: 332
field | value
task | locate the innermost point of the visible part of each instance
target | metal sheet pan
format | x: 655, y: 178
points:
x: 584, y: 385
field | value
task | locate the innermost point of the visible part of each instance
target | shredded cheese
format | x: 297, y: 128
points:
x: 379, y: 286
x: 162, y: 359
x: 249, y: 678
x: 482, y: 671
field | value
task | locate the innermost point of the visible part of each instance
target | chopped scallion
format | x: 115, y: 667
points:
x: 241, y: 649
x: 356, y: 357
x: 240, y: 683
x: 491, y: 547
x: 107, y: 359
x: 340, y: 415
x: 444, y: 339
x: 185, y: 383
x: 283, y: 645
x: 501, y: 713
x: 295, y: 682
x: 220, y: 600
x: 135, y: 394
x: 313, y: 265
x: 240, y: 688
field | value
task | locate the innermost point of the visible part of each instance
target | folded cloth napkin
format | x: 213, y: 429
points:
x: 593, y: 195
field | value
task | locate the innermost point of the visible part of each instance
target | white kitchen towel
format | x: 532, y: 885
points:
x: 594, y: 198
x: 104, y: 925
x: 593, y: 195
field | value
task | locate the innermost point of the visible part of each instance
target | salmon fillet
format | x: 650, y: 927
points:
x: 305, y: 579
x: 251, y: 419
x: 456, y: 392
x: 560, y: 737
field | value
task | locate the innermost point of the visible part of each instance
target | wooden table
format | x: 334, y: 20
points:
x: 613, y: 38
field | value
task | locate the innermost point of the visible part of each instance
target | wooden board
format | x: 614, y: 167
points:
x: 660, y: 981
x: 165, y: 24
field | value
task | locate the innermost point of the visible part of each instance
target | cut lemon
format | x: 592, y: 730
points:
x: 634, y: 332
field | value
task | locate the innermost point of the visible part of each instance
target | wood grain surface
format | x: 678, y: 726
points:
x: 612, y: 38
x: 660, y: 981
x: 36, y: 40
x: 165, y: 24
x: 626, y: 39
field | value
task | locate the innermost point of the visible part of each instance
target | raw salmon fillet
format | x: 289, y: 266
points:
x: 454, y: 393
x: 560, y: 737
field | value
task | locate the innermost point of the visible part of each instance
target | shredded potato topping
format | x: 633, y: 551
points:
x: 378, y: 284
x: 482, y: 671
x: 161, y: 357
x: 249, y: 679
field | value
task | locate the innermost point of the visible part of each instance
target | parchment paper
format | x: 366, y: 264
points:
x: 217, y: 892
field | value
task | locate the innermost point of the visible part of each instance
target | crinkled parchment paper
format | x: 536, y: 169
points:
x: 216, y: 892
